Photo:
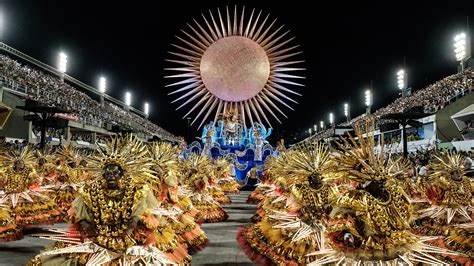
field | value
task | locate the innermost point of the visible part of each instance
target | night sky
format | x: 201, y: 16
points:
x: 346, y: 45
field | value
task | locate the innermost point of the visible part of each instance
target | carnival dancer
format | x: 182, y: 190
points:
x: 450, y: 193
x: 287, y: 236
x: 370, y: 223
x: 116, y: 219
x: 21, y: 190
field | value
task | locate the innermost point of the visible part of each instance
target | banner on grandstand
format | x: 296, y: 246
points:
x: 70, y: 117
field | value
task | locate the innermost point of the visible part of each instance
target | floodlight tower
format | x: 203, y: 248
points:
x: 402, y: 81
x: 62, y: 64
x: 331, y: 119
x: 368, y: 100
x: 462, y: 48
x: 146, y: 109
x: 347, y: 112
x: 102, y: 89
x: 321, y: 124
x: 128, y: 100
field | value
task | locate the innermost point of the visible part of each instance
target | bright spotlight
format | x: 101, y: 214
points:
x: 102, y: 84
x: 346, y: 109
x: 368, y: 98
x: 146, y: 109
x: 62, y: 62
x: 331, y: 118
x: 461, y: 47
x: 128, y: 98
x: 401, y: 79
x: 321, y: 124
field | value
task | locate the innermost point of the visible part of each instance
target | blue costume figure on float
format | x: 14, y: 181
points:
x: 258, y: 138
x: 228, y: 137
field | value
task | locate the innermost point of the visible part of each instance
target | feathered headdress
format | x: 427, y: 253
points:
x: 195, y: 167
x: 70, y: 155
x: 10, y: 155
x: 359, y: 160
x: 129, y: 153
x: 445, y: 165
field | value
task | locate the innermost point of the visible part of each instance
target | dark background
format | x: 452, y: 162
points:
x: 346, y: 45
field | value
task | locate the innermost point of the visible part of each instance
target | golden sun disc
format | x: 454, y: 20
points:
x: 235, y: 64
x: 235, y: 68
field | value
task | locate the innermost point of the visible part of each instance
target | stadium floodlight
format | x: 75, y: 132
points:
x: 460, y: 45
x: 2, y: 25
x: 309, y: 130
x: 146, y: 109
x: 321, y: 124
x: 62, y: 62
x: 315, y: 128
x: 462, y: 48
x: 128, y: 98
x: 368, y: 98
x: 401, y: 79
x: 102, y: 84
x: 346, y: 110
x: 331, y: 119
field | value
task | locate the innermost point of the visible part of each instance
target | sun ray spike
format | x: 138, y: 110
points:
x: 224, y: 32
x: 206, y: 39
x: 257, y: 34
x: 250, y: 36
x: 229, y: 24
x: 241, y: 24
x: 209, y: 111
x: 219, y: 107
x: 209, y: 27
x: 265, y: 32
x: 204, y: 108
x: 206, y: 96
x: 234, y: 28
x: 247, y: 28
x: 216, y: 28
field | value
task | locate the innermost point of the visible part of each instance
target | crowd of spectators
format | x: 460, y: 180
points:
x: 52, y: 91
x: 432, y: 98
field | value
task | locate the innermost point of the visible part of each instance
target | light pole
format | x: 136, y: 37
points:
x: 462, y: 48
x: 331, y: 119
x: 346, y: 112
x: 315, y: 129
x: 146, y: 110
x: 62, y: 64
x: 321, y: 124
x: 128, y: 100
x: 102, y: 89
x: 368, y: 100
x: 402, y: 81
x: 309, y: 131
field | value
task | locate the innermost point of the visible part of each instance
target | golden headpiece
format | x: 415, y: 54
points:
x: 70, y: 155
x: 129, y: 153
x: 444, y: 165
x: 359, y: 161
x: 302, y: 162
x: 10, y: 155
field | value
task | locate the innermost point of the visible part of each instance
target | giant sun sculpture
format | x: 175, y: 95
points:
x: 230, y: 62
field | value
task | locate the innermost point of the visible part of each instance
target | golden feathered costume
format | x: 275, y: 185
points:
x: 196, y: 180
x: 165, y: 164
x: 130, y: 226
x: 371, y: 222
x: 450, y: 193
x: 22, y: 191
x: 289, y: 232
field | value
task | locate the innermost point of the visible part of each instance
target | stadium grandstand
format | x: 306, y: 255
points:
x: 91, y: 115
x: 448, y: 105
